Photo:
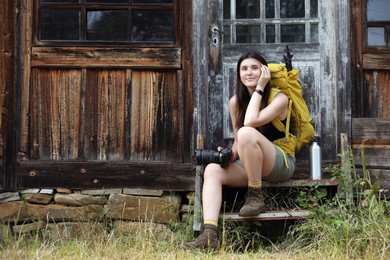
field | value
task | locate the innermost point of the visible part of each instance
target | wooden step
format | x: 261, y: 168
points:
x: 270, y: 215
x: 301, y: 183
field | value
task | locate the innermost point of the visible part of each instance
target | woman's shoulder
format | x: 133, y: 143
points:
x: 233, y: 100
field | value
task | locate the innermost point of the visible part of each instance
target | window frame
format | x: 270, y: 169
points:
x: 175, y: 7
x: 230, y: 25
x: 375, y: 24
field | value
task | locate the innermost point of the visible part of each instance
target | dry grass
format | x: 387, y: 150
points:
x: 126, y: 240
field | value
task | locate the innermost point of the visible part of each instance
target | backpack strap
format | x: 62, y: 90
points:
x: 276, y: 121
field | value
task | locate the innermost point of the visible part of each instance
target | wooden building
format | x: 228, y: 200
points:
x: 117, y: 93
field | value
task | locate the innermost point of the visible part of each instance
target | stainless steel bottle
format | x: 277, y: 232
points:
x: 315, y: 160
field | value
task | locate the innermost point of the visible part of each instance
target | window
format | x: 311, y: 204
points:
x: 270, y: 21
x: 378, y: 23
x: 108, y: 21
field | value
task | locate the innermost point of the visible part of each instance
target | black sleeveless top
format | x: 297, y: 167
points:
x: 271, y: 133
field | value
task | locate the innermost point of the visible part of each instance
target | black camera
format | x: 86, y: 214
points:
x: 211, y: 156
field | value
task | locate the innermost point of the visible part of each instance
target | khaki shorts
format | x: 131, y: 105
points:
x: 279, y: 172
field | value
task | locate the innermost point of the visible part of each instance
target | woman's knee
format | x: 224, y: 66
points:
x: 212, y: 172
x: 245, y: 136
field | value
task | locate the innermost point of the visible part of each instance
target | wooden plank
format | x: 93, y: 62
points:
x: 356, y: 45
x: 9, y: 112
x: 376, y: 61
x: 376, y: 92
x: 154, y: 117
x: 346, y: 168
x: 100, y: 175
x: 270, y: 215
x: 106, y: 113
x: 25, y: 60
x: 55, y: 111
x: 374, y: 157
x: 301, y: 183
x: 106, y: 57
x: 371, y: 131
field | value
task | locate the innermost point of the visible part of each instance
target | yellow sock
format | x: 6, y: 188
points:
x: 254, y: 184
x: 210, y: 222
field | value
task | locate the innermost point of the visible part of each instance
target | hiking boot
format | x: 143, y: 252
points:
x: 254, y: 203
x: 208, y: 240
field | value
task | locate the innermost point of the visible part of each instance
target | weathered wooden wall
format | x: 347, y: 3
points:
x: 370, y: 100
x: 7, y: 83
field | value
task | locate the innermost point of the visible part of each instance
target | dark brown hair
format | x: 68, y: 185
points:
x: 242, y: 93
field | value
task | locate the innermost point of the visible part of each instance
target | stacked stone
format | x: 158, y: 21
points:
x: 32, y: 209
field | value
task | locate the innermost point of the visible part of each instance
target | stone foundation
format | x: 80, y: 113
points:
x: 32, y: 209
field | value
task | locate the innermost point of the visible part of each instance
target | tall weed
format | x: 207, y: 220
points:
x: 357, y: 230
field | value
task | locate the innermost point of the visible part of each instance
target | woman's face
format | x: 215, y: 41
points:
x: 250, y: 72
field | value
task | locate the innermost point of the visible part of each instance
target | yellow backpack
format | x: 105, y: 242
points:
x: 298, y: 116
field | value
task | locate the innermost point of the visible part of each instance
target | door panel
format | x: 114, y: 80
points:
x: 102, y: 111
x: 101, y: 114
x: 376, y: 93
x: 268, y: 27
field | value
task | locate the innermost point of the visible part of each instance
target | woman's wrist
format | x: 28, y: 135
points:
x: 259, y: 87
x: 259, y: 91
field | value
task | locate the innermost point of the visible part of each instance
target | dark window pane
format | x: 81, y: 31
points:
x: 248, y: 34
x: 53, y: 27
x: 226, y: 37
x: 292, y: 8
x: 107, y: 1
x: 110, y: 25
x: 376, y: 36
x: 270, y: 9
x: 270, y: 30
x: 314, y: 33
x: 313, y: 8
x: 152, y: 26
x: 59, y: 1
x: 378, y: 10
x: 292, y: 33
x: 152, y: 1
x: 247, y: 9
x: 226, y: 9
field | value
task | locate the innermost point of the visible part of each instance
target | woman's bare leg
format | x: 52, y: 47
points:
x: 258, y: 155
x: 256, y: 152
x: 214, y: 178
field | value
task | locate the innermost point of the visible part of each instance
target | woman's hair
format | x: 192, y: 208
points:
x: 242, y: 93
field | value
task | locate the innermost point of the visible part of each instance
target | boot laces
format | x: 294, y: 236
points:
x: 252, y: 198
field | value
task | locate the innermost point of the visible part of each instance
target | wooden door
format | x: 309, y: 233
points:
x: 371, y: 91
x: 106, y: 98
x: 268, y: 26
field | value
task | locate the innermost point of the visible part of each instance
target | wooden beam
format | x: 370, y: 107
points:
x: 371, y: 131
x: 379, y: 61
x: 270, y: 215
x: 82, y: 57
x: 108, y: 174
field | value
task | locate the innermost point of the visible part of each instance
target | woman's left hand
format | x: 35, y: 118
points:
x: 264, y: 77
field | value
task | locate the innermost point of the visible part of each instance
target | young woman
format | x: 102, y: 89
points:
x: 254, y: 155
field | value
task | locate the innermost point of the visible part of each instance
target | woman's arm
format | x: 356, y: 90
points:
x: 277, y: 108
